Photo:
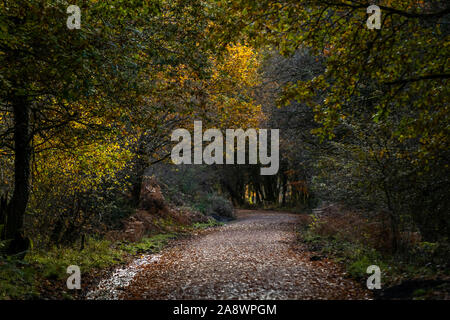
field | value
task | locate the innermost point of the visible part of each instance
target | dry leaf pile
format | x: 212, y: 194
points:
x: 255, y: 257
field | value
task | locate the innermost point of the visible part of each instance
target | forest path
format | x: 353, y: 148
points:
x: 254, y: 257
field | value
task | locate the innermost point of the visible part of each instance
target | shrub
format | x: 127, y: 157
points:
x: 215, y: 205
x: 54, y: 262
x: 209, y: 224
x: 149, y: 245
x: 17, y: 279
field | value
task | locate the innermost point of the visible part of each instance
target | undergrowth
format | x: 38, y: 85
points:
x: 356, y: 244
x: 20, y: 279
x: 203, y: 225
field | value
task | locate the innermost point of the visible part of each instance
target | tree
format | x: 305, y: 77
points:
x: 381, y: 99
x: 62, y: 88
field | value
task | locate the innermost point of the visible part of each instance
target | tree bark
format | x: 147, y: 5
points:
x: 394, y: 219
x: 22, y: 155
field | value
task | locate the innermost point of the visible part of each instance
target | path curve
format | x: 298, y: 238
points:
x: 255, y: 257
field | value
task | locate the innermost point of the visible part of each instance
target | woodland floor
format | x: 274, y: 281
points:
x: 256, y: 256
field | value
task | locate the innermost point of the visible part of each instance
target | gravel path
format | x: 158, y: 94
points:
x: 254, y: 257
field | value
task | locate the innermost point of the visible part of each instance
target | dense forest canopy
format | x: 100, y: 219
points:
x: 379, y: 97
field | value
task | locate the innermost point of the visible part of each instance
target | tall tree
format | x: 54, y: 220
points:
x: 383, y: 93
x: 58, y: 83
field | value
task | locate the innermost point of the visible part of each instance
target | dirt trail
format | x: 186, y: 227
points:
x: 254, y: 257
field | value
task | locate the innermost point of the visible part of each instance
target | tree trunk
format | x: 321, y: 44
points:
x: 22, y: 153
x: 393, y: 218
x: 3, y: 212
x: 139, y: 166
x: 284, y: 189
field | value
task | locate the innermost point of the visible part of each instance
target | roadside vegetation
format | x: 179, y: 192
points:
x: 41, y: 270
x: 420, y: 270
